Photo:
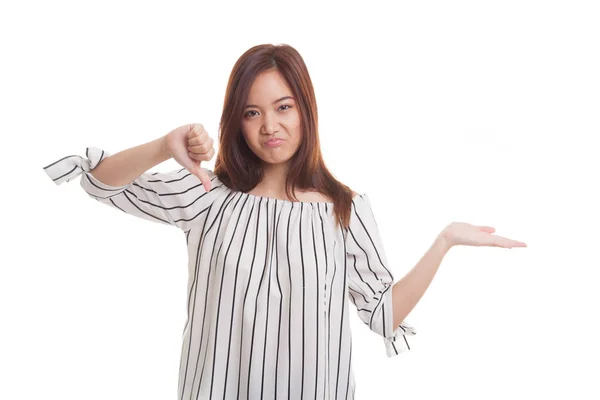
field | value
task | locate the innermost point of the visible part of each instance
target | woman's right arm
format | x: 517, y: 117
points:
x: 123, y: 167
x: 175, y: 198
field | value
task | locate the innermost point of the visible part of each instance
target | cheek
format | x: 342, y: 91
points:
x: 295, y: 123
x: 248, y: 132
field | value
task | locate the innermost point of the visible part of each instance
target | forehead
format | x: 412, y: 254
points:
x: 268, y: 86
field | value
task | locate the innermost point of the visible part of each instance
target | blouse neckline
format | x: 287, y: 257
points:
x: 286, y: 201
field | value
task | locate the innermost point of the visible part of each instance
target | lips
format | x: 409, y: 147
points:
x: 274, y: 141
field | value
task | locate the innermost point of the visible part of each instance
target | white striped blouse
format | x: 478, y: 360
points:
x: 269, y: 281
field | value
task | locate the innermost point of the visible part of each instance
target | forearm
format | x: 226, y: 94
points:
x: 122, y: 168
x: 407, y: 292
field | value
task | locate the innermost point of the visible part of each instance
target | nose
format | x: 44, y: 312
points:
x: 270, y: 124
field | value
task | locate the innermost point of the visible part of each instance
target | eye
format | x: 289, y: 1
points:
x: 249, y: 115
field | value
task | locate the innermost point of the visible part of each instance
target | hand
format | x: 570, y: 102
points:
x: 460, y: 233
x: 189, y: 145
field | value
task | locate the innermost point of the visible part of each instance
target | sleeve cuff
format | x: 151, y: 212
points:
x: 398, y: 343
x: 68, y: 168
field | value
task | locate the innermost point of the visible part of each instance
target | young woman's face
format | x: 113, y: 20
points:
x: 271, y: 113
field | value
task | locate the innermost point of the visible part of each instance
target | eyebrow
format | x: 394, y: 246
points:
x: 276, y: 101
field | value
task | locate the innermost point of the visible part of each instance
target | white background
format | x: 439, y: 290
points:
x: 481, y: 112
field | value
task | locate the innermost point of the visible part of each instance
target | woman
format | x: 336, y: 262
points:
x: 276, y: 244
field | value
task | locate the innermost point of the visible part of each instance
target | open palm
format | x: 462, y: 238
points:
x: 461, y: 233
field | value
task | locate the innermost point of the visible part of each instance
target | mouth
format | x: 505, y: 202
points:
x: 274, y: 142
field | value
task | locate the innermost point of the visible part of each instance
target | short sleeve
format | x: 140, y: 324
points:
x: 173, y: 198
x: 370, y: 280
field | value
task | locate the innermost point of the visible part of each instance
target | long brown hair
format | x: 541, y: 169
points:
x: 238, y: 167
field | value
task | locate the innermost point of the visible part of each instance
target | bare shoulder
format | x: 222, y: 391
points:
x: 354, y: 194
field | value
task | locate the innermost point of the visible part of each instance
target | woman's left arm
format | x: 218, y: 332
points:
x: 407, y: 292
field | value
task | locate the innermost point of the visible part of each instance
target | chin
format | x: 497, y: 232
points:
x: 276, y: 160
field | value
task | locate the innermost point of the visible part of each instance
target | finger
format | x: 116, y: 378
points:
x: 210, y: 154
x: 204, y: 178
x: 195, y: 130
x: 513, y: 243
x: 486, y: 228
x: 202, y: 156
x: 206, y: 156
x: 200, y: 149
x: 197, y: 135
x: 201, y: 138
x: 501, y: 241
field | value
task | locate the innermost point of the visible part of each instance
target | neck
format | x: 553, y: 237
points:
x: 273, y: 182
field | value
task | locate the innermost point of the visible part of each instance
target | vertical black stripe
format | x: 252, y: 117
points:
x: 349, y: 368
x: 326, y: 357
x: 303, y: 298
x: 276, y: 233
x: 343, y: 301
x: 287, y: 248
x: 318, y: 294
x: 270, y: 259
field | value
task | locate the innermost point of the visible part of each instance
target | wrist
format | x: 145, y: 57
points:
x: 442, y: 243
x: 164, y: 148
